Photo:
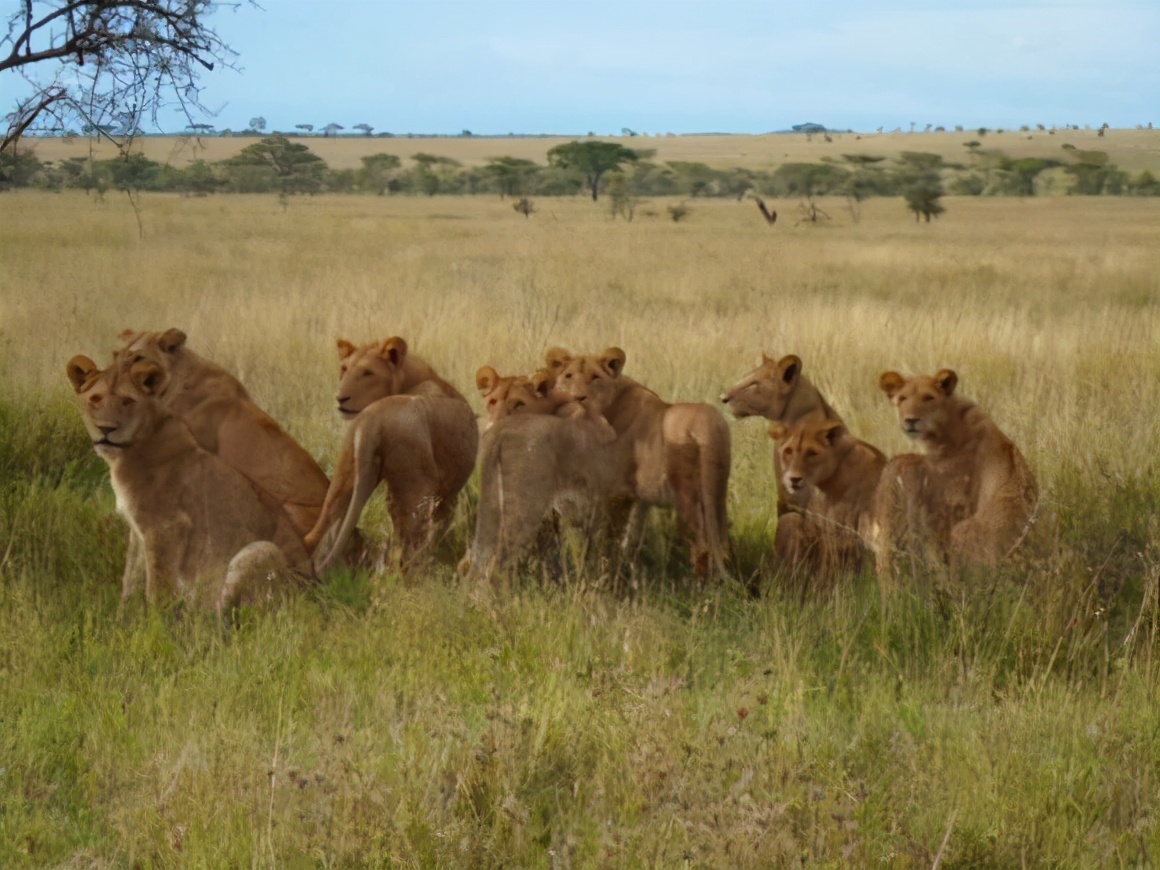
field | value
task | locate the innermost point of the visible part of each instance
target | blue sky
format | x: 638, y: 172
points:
x: 683, y: 66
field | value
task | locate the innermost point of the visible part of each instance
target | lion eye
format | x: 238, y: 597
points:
x: 342, y: 370
x: 810, y: 454
x: 365, y: 373
x: 518, y: 404
x: 928, y: 398
x: 128, y: 400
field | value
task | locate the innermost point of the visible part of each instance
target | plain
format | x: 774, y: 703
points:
x: 569, y: 720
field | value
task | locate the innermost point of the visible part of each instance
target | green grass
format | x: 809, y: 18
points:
x: 375, y: 722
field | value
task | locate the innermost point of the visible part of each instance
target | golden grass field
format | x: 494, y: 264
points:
x: 380, y: 722
x: 1131, y: 150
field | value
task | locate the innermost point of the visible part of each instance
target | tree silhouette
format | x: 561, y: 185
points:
x: 332, y: 128
x: 592, y: 158
x: 366, y: 128
x: 305, y: 128
x: 108, y: 64
x: 258, y: 123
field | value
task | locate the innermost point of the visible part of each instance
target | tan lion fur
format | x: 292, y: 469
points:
x: 542, y: 452
x: 676, y: 454
x: 843, y: 471
x: 971, y: 497
x: 777, y: 390
x: 409, y: 428
x: 226, y: 421
x: 201, y: 530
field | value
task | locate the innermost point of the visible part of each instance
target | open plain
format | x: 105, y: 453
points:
x: 570, y: 719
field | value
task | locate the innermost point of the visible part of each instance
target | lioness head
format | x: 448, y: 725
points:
x: 923, y: 404
x: 766, y: 390
x: 595, y: 377
x: 807, y: 451
x: 369, y: 373
x: 117, y: 403
x: 158, y: 348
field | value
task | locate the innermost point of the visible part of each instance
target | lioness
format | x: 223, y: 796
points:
x: 409, y: 428
x: 226, y: 421
x: 544, y: 453
x: 675, y: 454
x: 971, y: 497
x: 778, y: 391
x: 204, y: 532
x: 818, y: 452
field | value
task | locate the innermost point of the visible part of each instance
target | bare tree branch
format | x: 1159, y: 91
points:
x: 109, y: 63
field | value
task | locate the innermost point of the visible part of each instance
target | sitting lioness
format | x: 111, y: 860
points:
x: 544, y: 452
x: 409, y: 428
x: 971, y: 496
x: 226, y: 421
x: 204, y: 532
x: 671, y: 454
x: 777, y: 390
x: 827, y: 537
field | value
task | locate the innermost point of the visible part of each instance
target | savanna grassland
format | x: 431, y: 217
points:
x: 570, y: 719
x: 1133, y: 150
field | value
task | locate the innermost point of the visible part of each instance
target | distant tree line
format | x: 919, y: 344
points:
x: 279, y: 165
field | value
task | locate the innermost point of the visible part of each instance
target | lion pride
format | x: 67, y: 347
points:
x: 843, y: 471
x: 409, y: 428
x: 201, y: 531
x: 970, y: 497
x: 777, y: 390
x: 676, y: 454
x: 226, y: 421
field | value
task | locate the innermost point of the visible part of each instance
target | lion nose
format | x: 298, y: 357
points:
x: 911, y: 422
x: 795, y: 482
x: 723, y: 398
x: 342, y: 400
x: 107, y: 430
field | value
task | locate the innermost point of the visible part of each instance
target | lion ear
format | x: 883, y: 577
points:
x: 790, y: 367
x: 557, y: 358
x: 171, y: 340
x: 80, y: 369
x: 890, y: 383
x: 146, y: 376
x: 345, y: 348
x: 542, y: 382
x: 612, y: 361
x: 485, y: 379
x: 764, y: 360
x: 395, y: 351
x: 832, y: 431
x: 946, y: 380
x: 778, y: 430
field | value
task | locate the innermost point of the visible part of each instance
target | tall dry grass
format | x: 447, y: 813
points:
x: 375, y: 722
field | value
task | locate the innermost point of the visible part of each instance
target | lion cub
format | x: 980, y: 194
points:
x: 203, y: 531
x: 541, y: 452
x: 843, y: 471
x: 970, y: 497
x: 409, y: 428
x: 673, y: 454
x: 777, y: 390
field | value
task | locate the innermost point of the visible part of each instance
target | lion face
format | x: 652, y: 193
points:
x: 807, y: 451
x: 594, y: 378
x: 923, y: 403
x: 766, y: 390
x: 157, y: 348
x: 369, y: 373
x: 117, y: 403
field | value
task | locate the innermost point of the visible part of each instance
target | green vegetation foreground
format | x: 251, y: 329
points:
x: 1004, y: 720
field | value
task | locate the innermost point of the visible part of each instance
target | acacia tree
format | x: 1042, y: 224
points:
x: 593, y: 159
x: 295, y: 167
x: 107, y: 65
